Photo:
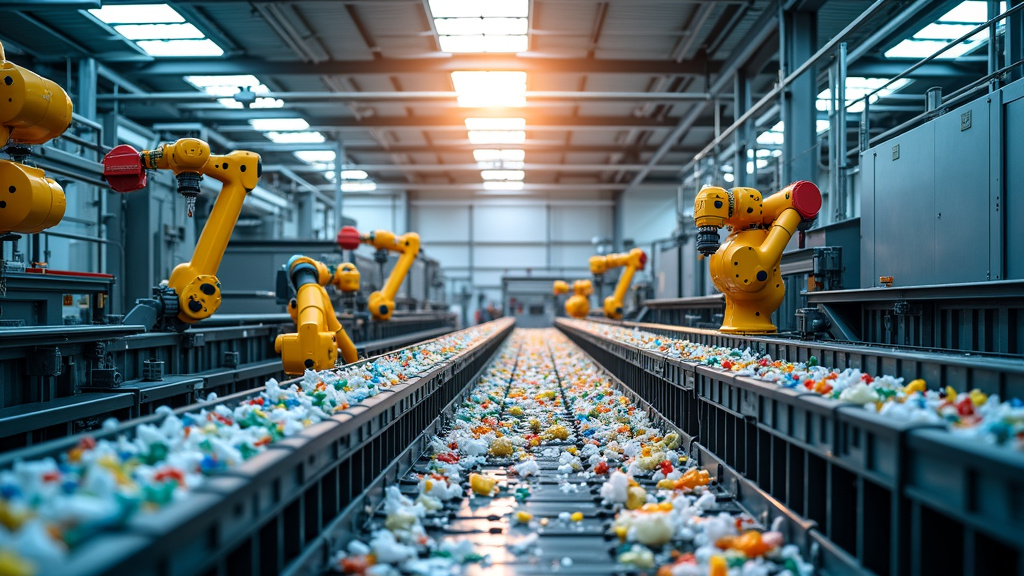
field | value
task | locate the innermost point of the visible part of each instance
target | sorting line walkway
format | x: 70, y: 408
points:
x: 542, y: 532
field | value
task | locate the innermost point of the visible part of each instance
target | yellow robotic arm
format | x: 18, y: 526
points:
x: 577, y: 305
x: 633, y: 260
x: 319, y: 336
x: 382, y: 302
x: 193, y: 290
x: 33, y: 110
x: 746, y: 267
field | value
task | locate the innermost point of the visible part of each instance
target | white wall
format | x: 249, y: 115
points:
x: 648, y: 214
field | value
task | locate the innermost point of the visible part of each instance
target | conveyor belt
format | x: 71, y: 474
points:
x: 557, y: 519
x: 879, y: 485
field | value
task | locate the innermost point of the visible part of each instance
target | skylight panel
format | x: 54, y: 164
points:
x: 483, y: 89
x: 939, y: 34
x: 481, y: 26
x: 295, y: 137
x: 495, y: 123
x: 503, y: 185
x: 502, y: 174
x: 497, y: 136
x: 493, y: 155
x: 358, y: 186
x: 279, y: 124
x: 159, y: 31
x: 204, y: 47
x: 137, y: 14
x: 856, y: 88
x: 820, y: 126
x: 772, y: 137
x: 314, y: 156
x: 481, y: 43
x: 479, y: 8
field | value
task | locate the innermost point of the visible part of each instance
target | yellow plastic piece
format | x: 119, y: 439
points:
x: 576, y: 517
x: 12, y: 564
x: 621, y: 532
x: 950, y: 394
x: 718, y: 566
x: 745, y: 268
x: 33, y: 110
x: 636, y: 497
x: 319, y: 335
x: 523, y: 517
x: 978, y: 397
x: 382, y: 302
x: 557, y: 432
x: 918, y: 385
x: 501, y: 448
x: 632, y: 261
x: 195, y: 282
x: 482, y: 485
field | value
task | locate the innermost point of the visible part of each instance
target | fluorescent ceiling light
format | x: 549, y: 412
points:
x: 502, y: 174
x: 229, y: 85
x: 311, y: 156
x: 295, y: 137
x: 137, y: 14
x: 353, y: 175
x: 482, y: 89
x: 479, y: 8
x: 230, y: 80
x: 503, y: 185
x: 492, y: 155
x: 204, y: 47
x: 495, y: 123
x: 497, y: 136
x: 941, y: 33
x: 259, y: 103
x: 159, y: 31
x: 279, y: 124
x: 482, y: 43
x: 358, y: 186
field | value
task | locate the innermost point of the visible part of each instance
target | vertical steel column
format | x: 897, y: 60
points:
x: 799, y: 43
x: 339, y: 165
x: 1013, y: 41
x: 741, y: 103
x: 841, y: 209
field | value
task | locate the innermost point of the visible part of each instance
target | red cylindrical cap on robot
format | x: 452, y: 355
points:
x: 123, y: 170
x: 348, y: 238
x: 806, y: 198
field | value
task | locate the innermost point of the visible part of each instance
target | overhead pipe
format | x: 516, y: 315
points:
x: 486, y: 166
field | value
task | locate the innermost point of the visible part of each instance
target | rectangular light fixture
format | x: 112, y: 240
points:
x: 495, y: 123
x: 203, y: 47
x: 229, y: 85
x: 137, y: 14
x: 159, y: 31
x: 964, y: 17
x: 483, y: 89
x: 279, y: 124
x: 497, y: 136
x: 295, y: 137
x: 856, y: 88
x: 313, y: 156
x: 502, y: 174
x: 479, y: 8
x: 227, y: 80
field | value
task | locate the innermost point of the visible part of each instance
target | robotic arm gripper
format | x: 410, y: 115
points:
x: 633, y: 260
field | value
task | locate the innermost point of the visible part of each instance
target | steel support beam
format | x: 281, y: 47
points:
x: 799, y: 37
x: 872, y: 67
x: 432, y: 63
x: 476, y: 167
x: 1014, y: 40
x: 418, y: 96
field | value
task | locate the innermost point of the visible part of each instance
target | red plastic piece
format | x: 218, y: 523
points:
x: 806, y: 199
x: 643, y: 260
x: 122, y: 169
x: 348, y: 238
